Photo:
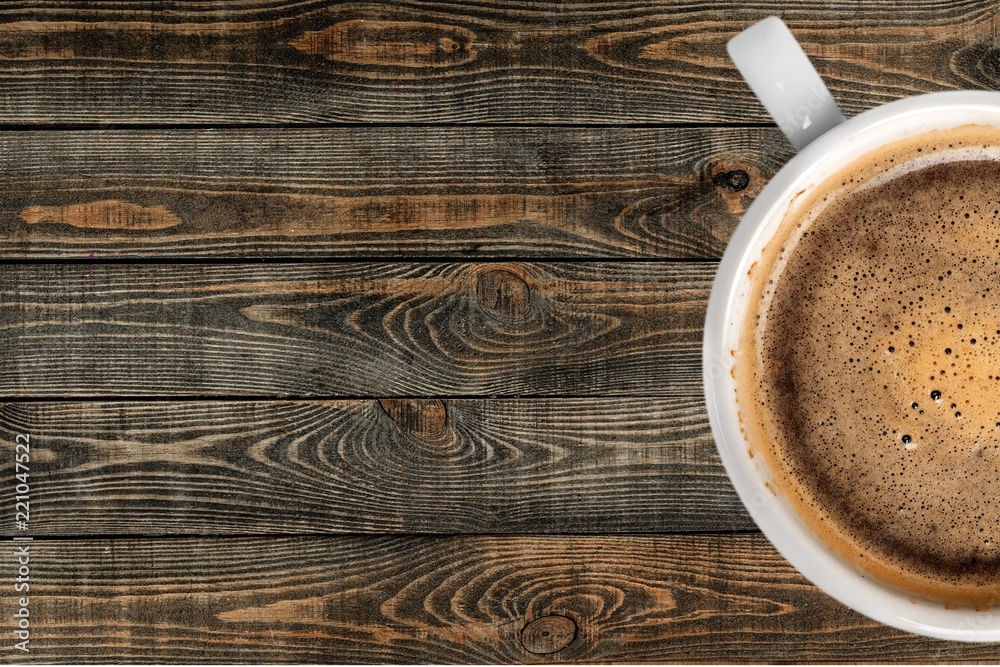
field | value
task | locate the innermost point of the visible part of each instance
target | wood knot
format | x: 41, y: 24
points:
x: 736, y: 180
x: 738, y: 183
x: 503, y: 291
x: 424, y: 418
x: 548, y: 634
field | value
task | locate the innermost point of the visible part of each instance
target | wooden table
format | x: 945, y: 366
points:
x: 371, y: 331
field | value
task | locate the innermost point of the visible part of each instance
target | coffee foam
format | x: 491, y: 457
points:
x: 868, y: 371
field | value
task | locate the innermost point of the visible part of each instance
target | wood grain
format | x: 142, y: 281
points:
x: 512, y: 61
x: 366, y: 466
x: 398, y: 192
x: 353, y: 329
x: 422, y: 455
x: 686, y: 598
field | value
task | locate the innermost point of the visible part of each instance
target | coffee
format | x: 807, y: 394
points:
x: 868, y: 370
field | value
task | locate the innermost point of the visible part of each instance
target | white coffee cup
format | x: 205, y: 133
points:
x: 782, y: 77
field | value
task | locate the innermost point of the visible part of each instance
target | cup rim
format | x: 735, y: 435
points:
x: 774, y: 516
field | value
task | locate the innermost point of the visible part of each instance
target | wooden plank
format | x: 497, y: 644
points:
x: 440, y: 62
x: 398, y: 192
x: 391, y: 466
x: 686, y: 598
x: 353, y: 329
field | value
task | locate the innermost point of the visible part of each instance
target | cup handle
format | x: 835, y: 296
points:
x: 784, y: 80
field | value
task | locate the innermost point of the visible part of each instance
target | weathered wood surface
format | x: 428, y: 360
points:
x: 353, y: 329
x: 687, y: 598
x: 396, y: 192
x: 506, y: 392
x: 513, y: 61
x: 367, y: 466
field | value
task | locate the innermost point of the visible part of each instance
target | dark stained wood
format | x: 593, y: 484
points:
x: 685, y: 598
x: 391, y: 466
x: 396, y: 192
x: 538, y: 422
x: 440, y: 62
x: 353, y: 329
